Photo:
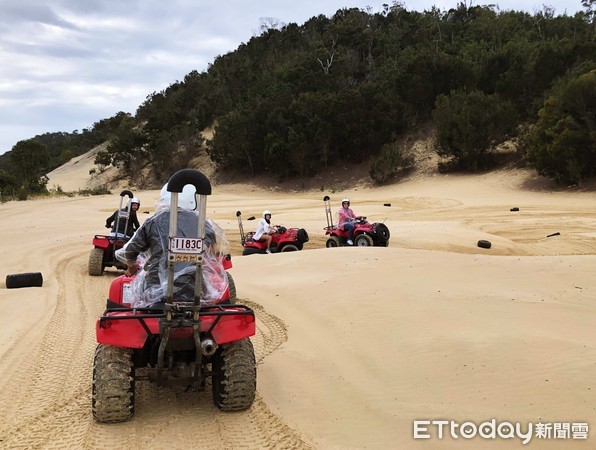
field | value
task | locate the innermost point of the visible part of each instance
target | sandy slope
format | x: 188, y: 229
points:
x: 353, y: 344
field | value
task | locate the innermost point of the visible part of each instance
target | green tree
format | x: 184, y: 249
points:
x: 30, y: 158
x: 391, y: 161
x: 470, y: 125
x: 562, y: 145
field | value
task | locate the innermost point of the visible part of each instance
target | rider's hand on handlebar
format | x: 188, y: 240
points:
x: 131, y: 269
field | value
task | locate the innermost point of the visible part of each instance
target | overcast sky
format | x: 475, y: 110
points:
x: 67, y: 64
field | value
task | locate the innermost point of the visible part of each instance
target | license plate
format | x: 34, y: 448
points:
x: 126, y: 293
x: 184, y: 249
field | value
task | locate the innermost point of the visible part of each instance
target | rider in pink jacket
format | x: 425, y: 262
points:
x: 346, y: 219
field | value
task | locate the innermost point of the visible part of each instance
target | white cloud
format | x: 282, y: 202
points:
x: 70, y: 63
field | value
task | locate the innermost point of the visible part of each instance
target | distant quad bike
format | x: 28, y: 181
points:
x: 366, y: 234
x: 285, y: 240
x: 175, y: 343
x: 104, y: 246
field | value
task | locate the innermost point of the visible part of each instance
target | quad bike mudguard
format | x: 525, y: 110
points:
x: 130, y: 327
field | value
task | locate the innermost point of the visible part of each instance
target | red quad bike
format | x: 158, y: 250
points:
x: 104, y: 247
x: 366, y: 234
x: 285, y: 240
x: 174, y: 343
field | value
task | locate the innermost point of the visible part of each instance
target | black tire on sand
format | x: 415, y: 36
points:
x: 113, y: 392
x: 96, y: 262
x: 20, y: 280
x: 231, y: 288
x: 234, y: 376
x: 382, y: 231
x: 484, y: 244
x: 250, y: 251
x: 332, y: 242
x: 302, y: 235
x: 363, y: 240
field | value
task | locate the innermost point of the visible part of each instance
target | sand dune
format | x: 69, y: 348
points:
x: 353, y: 344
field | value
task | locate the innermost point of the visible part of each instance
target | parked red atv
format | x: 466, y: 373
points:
x: 285, y: 240
x: 104, y: 246
x: 174, y: 343
x: 366, y: 234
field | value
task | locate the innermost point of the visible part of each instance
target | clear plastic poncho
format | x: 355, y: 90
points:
x: 149, y: 248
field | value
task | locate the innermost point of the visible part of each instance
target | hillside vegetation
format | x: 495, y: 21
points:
x: 297, y: 100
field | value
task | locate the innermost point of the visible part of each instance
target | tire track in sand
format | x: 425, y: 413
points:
x: 50, y: 389
x: 49, y: 405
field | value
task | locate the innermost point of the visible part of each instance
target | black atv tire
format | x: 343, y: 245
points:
x: 484, y: 244
x: 382, y: 232
x: 232, y: 288
x: 363, y: 240
x: 113, y: 392
x: 250, y: 251
x: 289, y: 248
x: 234, y: 376
x: 332, y: 242
x: 96, y: 262
x: 302, y: 235
x: 19, y: 280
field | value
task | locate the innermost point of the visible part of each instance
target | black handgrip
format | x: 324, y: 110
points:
x: 326, y: 198
x: 126, y: 192
x: 189, y: 176
x: 238, y: 213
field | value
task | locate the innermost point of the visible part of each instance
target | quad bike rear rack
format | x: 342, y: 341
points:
x: 141, y: 314
x: 328, y: 213
x: 123, y: 214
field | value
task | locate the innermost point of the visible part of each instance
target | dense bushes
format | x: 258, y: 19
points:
x: 562, y: 144
x: 470, y: 125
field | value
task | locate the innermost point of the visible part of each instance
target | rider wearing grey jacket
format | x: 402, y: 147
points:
x: 150, y: 243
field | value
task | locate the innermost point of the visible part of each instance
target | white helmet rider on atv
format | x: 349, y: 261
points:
x: 134, y: 201
x: 264, y: 230
x: 151, y: 243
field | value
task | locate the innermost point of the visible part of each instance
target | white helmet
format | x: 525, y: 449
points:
x: 266, y: 212
x: 186, y: 198
x: 344, y: 200
x: 134, y: 200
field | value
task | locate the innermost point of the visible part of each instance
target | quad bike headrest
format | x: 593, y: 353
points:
x: 189, y: 176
